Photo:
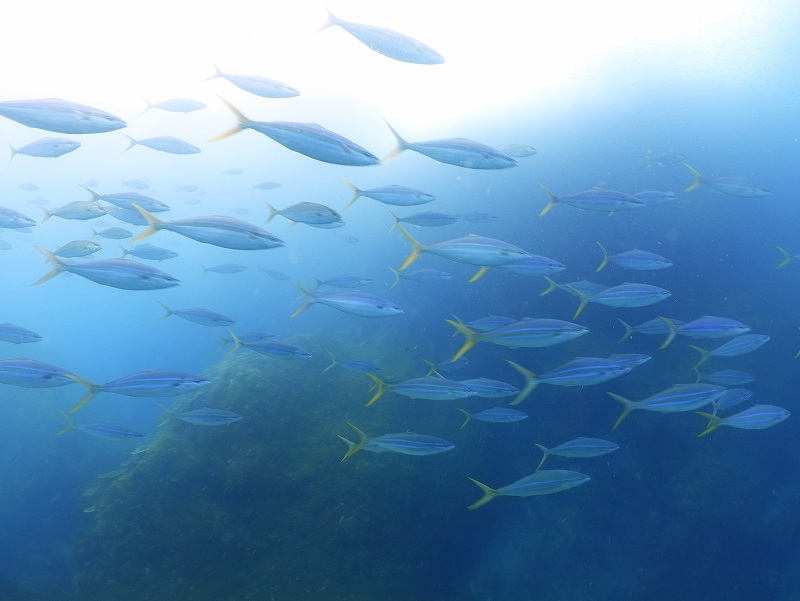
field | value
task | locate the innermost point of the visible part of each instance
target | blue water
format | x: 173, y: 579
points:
x: 667, y: 516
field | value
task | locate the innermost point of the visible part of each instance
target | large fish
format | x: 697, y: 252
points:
x: 405, y: 443
x: 543, y: 482
x: 62, y: 116
x: 732, y: 186
x: 257, y: 84
x: 46, y: 148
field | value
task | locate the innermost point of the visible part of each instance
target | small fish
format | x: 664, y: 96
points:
x: 388, y: 42
x: 203, y: 317
x: 233, y: 171
x: 353, y: 302
x: 149, y: 252
x: 11, y: 219
x: 166, y: 144
x: 732, y: 186
x: 204, y: 417
x: 460, y: 152
x: 640, y: 260
x: 80, y: 210
x: 217, y: 230
x: 675, y: 399
x: 344, y: 281
x: 269, y: 347
x: 578, y: 448
x: 652, y: 198
x: 664, y: 158
x: 187, y: 188
x: 496, y: 415
x: 430, y: 388
x: 473, y: 250
x: 100, y: 430
x: 309, y: 139
x: 757, y: 417
x: 29, y: 187
x: 257, y: 84
x: 727, y: 377
x: 446, y: 367
x: 15, y: 334
x: 128, y: 200
x: 405, y: 443
x: 543, y: 482
x: 526, y: 333
x: 225, y: 268
x: 424, y: 219
x: 112, y: 233
x: 357, y: 365
x: 147, y: 383
x: 136, y: 184
x: 77, y: 248
x: 266, y: 185
x: 655, y: 326
x: 176, y: 105
x: 399, y: 196
x: 519, y: 151
x: 606, y: 201
x: 116, y: 273
x: 624, y: 295
x: 61, y: 116
x: 310, y: 213
x: 707, y: 326
x: 420, y: 276
x: 46, y: 148
x: 276, y: 274
x: 731, y: 398
x: 29, y: 373
x: 581, y: 371
x: 4, y: 245
x: 741, y: 345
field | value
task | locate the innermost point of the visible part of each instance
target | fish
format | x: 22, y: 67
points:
x: 9, y: 218
x: 460, y: 152
x: 574, y: 288
x: 624, y: 295
x: 203, y: 417
x: 430, y: 388
x: 30, y: 373
x: 116, y: 273
x: 732, y: 186
x: 664, y: 158
x: 741, y: 345
x: 308, y: 139
x: 400, y: 196
x: 344, y: 281
x: 519, y: 151
x: 203, y: 317
x: 405, y: 443
x: 217, y: 230
x: 147, y: 383
x: 77, y: 248
x: 419, y: 276
x: 533, y: 266
x: 424, y: 219
x: 166, y: 144
x: 29, y: 187
x: 175, y: 105
x: 490, y: 389
x: 276, y: 274
x: 496, y: 415
x: 578, y: 448
x: 445, y: 367
x: 606, y: 201
x: 257, y: 84
x: 653, y: 198
x: 655, y: 326
x: 128, y: 200
x: 727, y: 377
x: 630, y: 359
x: 757, y: 417
x: 46, y: 148
x: 675, y: 399
x: 473, y: 250
x: 581, y: 371
x: 542, y: 482
x: 15, y: 334
x: 787, y: 258
x: 310, y: 213
x: 640, y: 260
x: 352, y: 302
x: 233, y: 171
x: 81, y: 210
x: 60, y: 116
x: 225, y: 268
x: 149, y: 252
x: 357, y: 365
x: 707, y: 326
x: 5, y: 245
x: 112, y: 233
x: 136, y: 184
x: 266, y: 185
x: 269, y: 347
x: 731, y: 398
x: 101, y: 430
x: 388, y: 42
x: 526, y: 333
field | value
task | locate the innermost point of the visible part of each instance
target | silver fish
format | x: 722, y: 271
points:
x: 353, y: 302
x: 166, y: 144
x: 757, y: 417
x: 607, y: 201
x: 62, y: 116
x: 578, y: 448
x: 257, y: 84
x: 176, y: 105
x: 101, y: 430
x: 47, y: 148
x: 496, y: 415
x: 147, y: 383
x: 15, y: 334
x: 732, y: 186
x: 310, y: 213
x: 405, y: 443
x: 543, y: 482
x: 203, y: 317
x: 395, y: 195
x: 77, y: 248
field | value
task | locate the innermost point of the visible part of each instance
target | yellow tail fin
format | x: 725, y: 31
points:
x: 356, y: 195
x: 91, y: 391
x: 401, y: 144
x: 545, y: 454
x: 70, y: 423
x: 606, y: 257
x: 787, y: 258
x: 672, y: 332
x: 416, y: 249
x: 467, y: 416
x: 355, y: 448
x: 236, y: 343
x: 472, y: 338
x: 381, y: 385
x: 714, y: 422
x: 628, y: 331
x: 531, y: 382
x: 627, y: 404
x: 58, y: 266
x: 704, y: 356
x: 243, y: 123
x: 153, y: 222
x: 552, y: 200
x: 698, y: 179
x: 488, y: 495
